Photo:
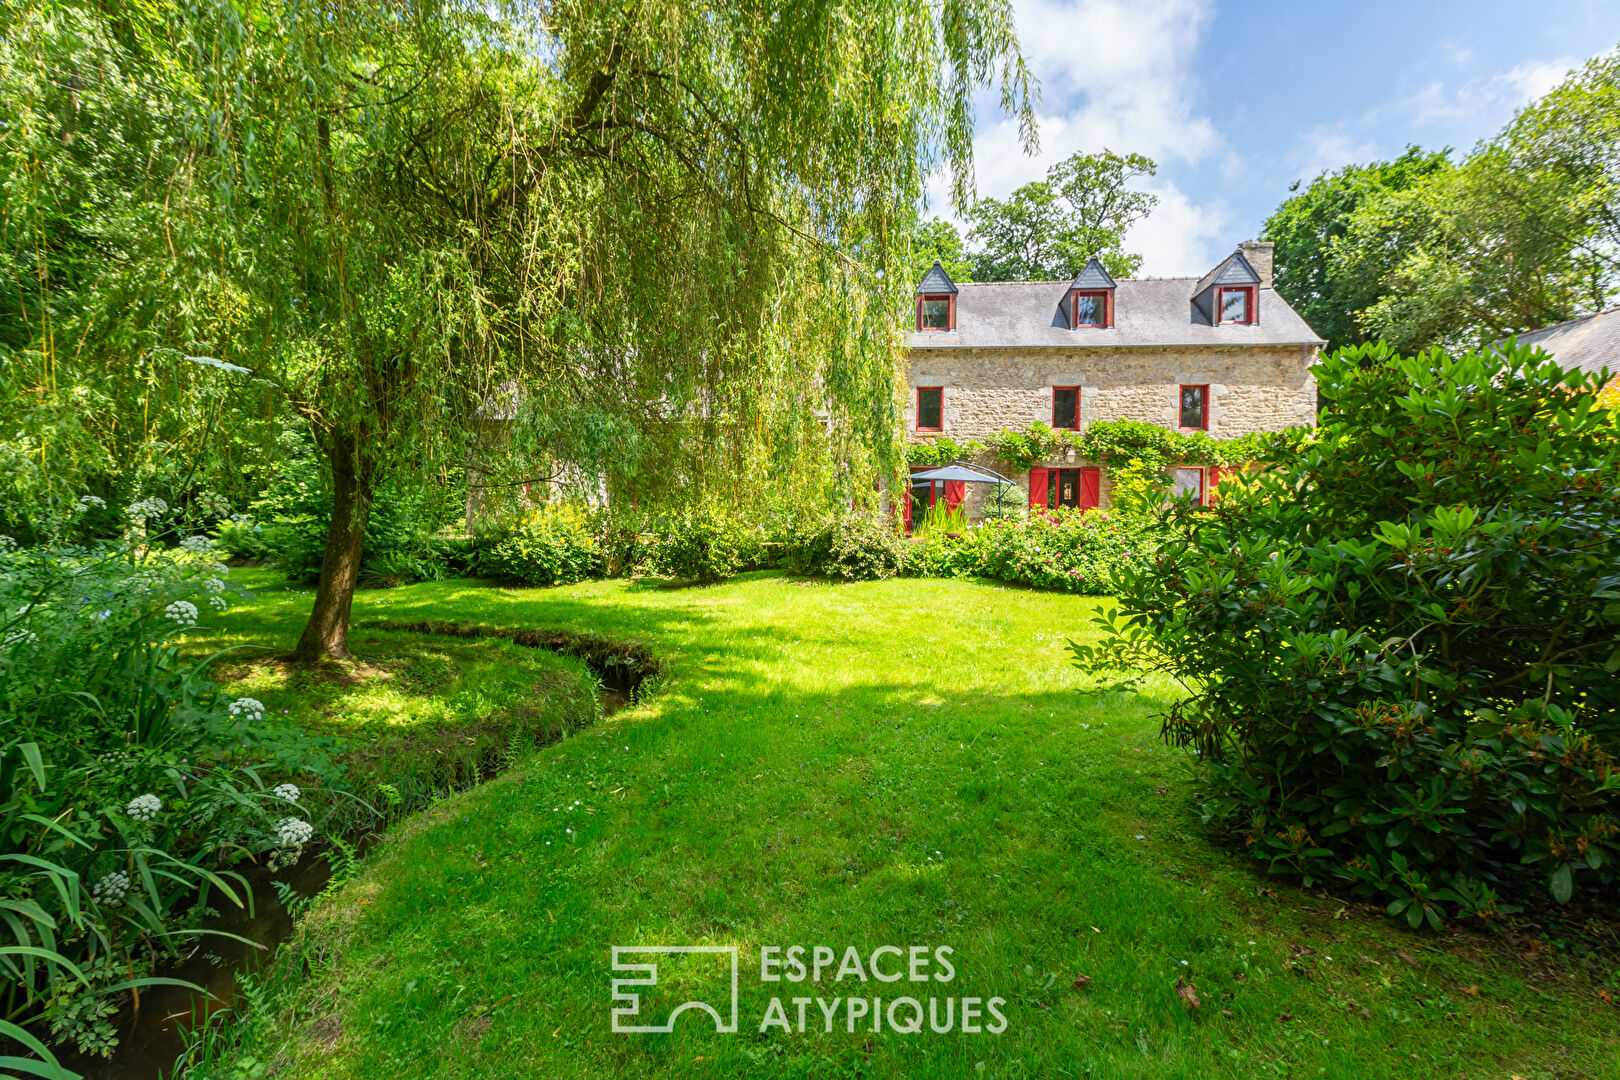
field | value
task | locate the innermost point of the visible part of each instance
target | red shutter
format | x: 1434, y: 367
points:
x: 1090, y: 487
x: 905, y: 502
x: 955, y: 491
x: 1216, y: 474
x: 1037, y: 487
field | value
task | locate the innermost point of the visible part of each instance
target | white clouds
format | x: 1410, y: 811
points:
x: 1325, y: 148
x: 1437, y: 113
x: 1181, y: 237
x: 1478, y: 106
x: 1117, y: 75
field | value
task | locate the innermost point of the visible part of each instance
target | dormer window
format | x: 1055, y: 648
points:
x: 1091, y: 298
x: 1237, y: 304
x: 1089, y: 310
x: 936, y: 312
x: 936, y: 301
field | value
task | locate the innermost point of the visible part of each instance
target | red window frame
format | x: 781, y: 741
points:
x: 1203, y: 481
x: 950, y: 314
x: 1107, y: 297
x: 917, y: 421
x: 1251, y: 306
x: 1204, y: 413
x: 1066, y: 427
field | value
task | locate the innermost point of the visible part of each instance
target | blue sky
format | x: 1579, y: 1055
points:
x: 1235, y: 101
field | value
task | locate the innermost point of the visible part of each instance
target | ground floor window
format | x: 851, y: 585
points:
x: 1190, y: 481
x: 1200, y: 481
x: 1080, y: 487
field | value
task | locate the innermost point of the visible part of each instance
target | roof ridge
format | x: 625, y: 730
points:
x: 1060, y: 281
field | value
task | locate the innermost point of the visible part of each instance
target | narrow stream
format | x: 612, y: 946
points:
x: 151, y: 1039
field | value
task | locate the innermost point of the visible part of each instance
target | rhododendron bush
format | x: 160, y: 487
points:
x: 1402, y: 647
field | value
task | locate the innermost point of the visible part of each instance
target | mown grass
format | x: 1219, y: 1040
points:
x: 897, y: 763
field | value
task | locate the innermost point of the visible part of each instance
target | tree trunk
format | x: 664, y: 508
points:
x: 353, y: 471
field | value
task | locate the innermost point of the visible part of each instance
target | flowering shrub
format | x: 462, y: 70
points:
x: 1072, y: 550
x: 129, y: 787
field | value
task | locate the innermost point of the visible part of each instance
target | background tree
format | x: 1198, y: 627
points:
x: 1523, y: 232
x: 1308, y: 224
x: 691, y: 223
x: 1471, y: 255
x: 1048, y: 228
x: 937, y: 240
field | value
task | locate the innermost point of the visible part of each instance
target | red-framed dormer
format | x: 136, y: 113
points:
x: 936, y: 302
x: 1228, y: 295
x: 1089, y: 304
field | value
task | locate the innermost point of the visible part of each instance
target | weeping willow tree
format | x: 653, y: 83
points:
x: 671, y: 230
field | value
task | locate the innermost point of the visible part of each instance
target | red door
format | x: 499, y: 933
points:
x: 955, y: 492
x: 1090, y: 487
x: 1037, y: 488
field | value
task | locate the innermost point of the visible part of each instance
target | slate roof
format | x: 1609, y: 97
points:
x: 1590, y: 343
x: 1147, y: 311
x: 936, y: 281
x: 1092, y: 276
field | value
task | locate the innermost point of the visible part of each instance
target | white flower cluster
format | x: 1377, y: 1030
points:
x: 183, y: 612
x: 144, y: 807
x: 147, y: 508
x: 87, y: 502
x: 289, y: 792
x: 214, y: 586
x: 196, y: 545
x: 246, y: 708
x: 111, y: 889
x: 293, y: 832
x: 217, y: 603
x: 19, y: 637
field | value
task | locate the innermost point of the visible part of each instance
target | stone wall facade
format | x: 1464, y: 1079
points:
x: 1251, y: 388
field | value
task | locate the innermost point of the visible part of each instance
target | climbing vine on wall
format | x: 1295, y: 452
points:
x: 1115, y: 442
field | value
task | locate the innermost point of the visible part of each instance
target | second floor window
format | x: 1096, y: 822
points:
x: 1195, y: 407
x: 1065, y: 406
x: 934, y: 313
x: 930, y: 408
x: 1090, y: 310
x: 1237, y: 305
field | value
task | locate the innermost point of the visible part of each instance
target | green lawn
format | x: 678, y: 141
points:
x: 899, y: 763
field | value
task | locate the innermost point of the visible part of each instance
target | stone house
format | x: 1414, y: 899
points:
x: 1222, y: 353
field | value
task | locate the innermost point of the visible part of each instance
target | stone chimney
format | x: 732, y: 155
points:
x: 1258, y: 252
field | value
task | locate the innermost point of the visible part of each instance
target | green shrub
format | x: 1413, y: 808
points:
x: 704, y: 545
x: 851, y: 547
x: 622, y: 534
x: 1078, y: 551
x: 550, y: 545
x: 288, y: 524
x: 1005, y: 504
x: 1399, y: 645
